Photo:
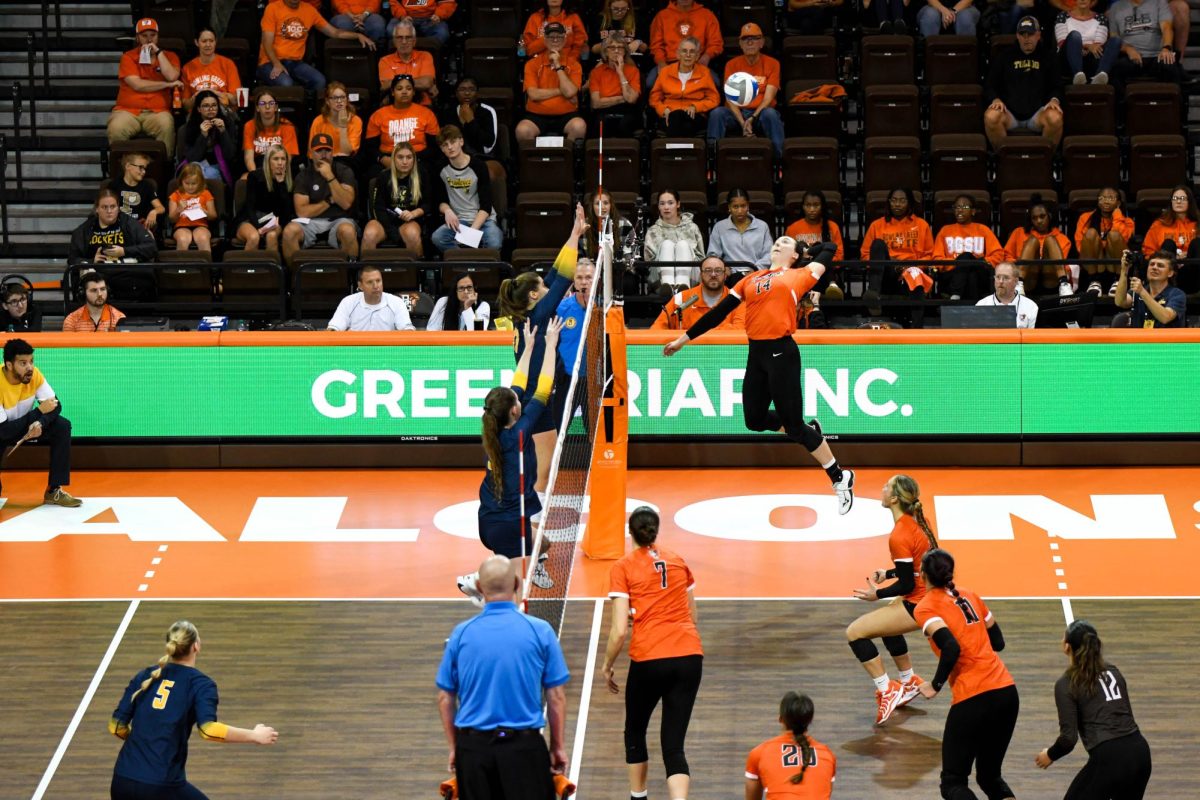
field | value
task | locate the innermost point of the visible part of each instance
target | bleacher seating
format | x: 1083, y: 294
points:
x: 912, y: 117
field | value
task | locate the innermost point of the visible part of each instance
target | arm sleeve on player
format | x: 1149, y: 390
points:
x: 946, y: 642
x: 564, y: 262
x: 520, y: 381
x: 996, y: 637
x: 715, y: 316
x: 544, y: 385
x: 906, y: 581
x: 1068, y: 714
x: 213, y: 731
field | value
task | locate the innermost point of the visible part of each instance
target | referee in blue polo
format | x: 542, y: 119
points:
x: 493, y: 673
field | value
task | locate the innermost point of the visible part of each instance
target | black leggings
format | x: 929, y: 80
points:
x: 773, y: 373
x: 126, y: 789
x: 1118, y: 769
x: 978, y: 731
x: 675, y: 681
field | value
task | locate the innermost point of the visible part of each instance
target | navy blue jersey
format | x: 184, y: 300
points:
x: 160, y: 722
x: 557, y: 282
x: 509, y: 504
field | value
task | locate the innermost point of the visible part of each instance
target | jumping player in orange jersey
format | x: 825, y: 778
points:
x: 793, y: 764
x: 908, y: 542
x: 965, y: 637
x: 773, y: 369
x: 653, y: 587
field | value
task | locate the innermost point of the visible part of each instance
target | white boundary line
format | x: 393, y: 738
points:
x: 585, y: 698
x: 1068, y: 612
x: 69, y: 734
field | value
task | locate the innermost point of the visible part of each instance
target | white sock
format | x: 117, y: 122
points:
x: 905, y: 675
x: 642, y: 793
x: 881, y: 683
x: 832, y: 461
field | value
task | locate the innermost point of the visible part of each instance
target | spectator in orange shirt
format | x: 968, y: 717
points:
x: 1103, y: 232
x: 815, y: 227
x: 1176, y: 232
x: 615, y: 86
x: 407, y: 60
x: 285, y: 27
x: 685, y: 309
x: 148, y: 76
x: 971, y: 244
x: 428, y: 15
x: 684, y: 93
x: 760, y: 116
x: 552, y: 82
x: 1036, y: 241
x: 665, y: 654
x: 360, y: 16
x: 898, y: 235
x: 620, y: 18
x: 95, y: 315
x: 562, y: 13
x: 402, y: 121
x: 679, y: 20
x: 339, y: 120
x: 267, y: 128
x: 192, y: 208
x: 210, y: 71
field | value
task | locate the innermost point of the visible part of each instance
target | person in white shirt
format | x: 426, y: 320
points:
x: 460, y: 309
x: 370, y: 309
x: 1006, y: 294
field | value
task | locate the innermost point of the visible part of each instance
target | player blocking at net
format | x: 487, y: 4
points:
x: 773, y: 371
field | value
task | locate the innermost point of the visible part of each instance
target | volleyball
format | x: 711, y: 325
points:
x: 741, y: 88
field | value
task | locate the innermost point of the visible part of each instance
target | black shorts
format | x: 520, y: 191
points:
x: 910, y: 608
x: 126, y: 789
x: 551, y: 124
x: 503, y: 536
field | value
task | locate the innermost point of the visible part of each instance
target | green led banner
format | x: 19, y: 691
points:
x: 428, y: 391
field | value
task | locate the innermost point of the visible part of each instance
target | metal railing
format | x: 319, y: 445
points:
x: 4, y: 189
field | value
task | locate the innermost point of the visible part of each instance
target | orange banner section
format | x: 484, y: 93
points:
x: 636, y: 337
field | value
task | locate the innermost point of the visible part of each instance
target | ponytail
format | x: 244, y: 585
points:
x: 907, y: 493
x: 796, y: 712
x: 496, y: 409
x: 180, y: 639
x: 514, y: 296
x: 1087, y: 657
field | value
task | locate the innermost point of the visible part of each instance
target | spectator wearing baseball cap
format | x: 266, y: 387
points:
x: 810, y: 17
x: 148, y: 76
x: 552, y: 82
x: 324, y: 194
x: 1022, y: 88
x: 945, y: 16
x: 759, y: 117
x: 555, y: 12
x: 285, y: 28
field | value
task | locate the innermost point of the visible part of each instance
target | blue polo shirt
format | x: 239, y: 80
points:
x: 571, y: 313
x: 1171, y: 297
x: 497, y: 663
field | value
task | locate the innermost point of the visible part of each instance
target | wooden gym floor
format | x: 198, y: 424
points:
x: 323, y: 599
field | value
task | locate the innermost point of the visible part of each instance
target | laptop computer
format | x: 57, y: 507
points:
x: 979, y: 316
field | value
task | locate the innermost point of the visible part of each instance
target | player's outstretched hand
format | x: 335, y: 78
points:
x: 869, y: 594
x: 553, y: 329
x: 671, y: 348
x: 264, y: 734
x: 581, y: 223
x: 927, y: 690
